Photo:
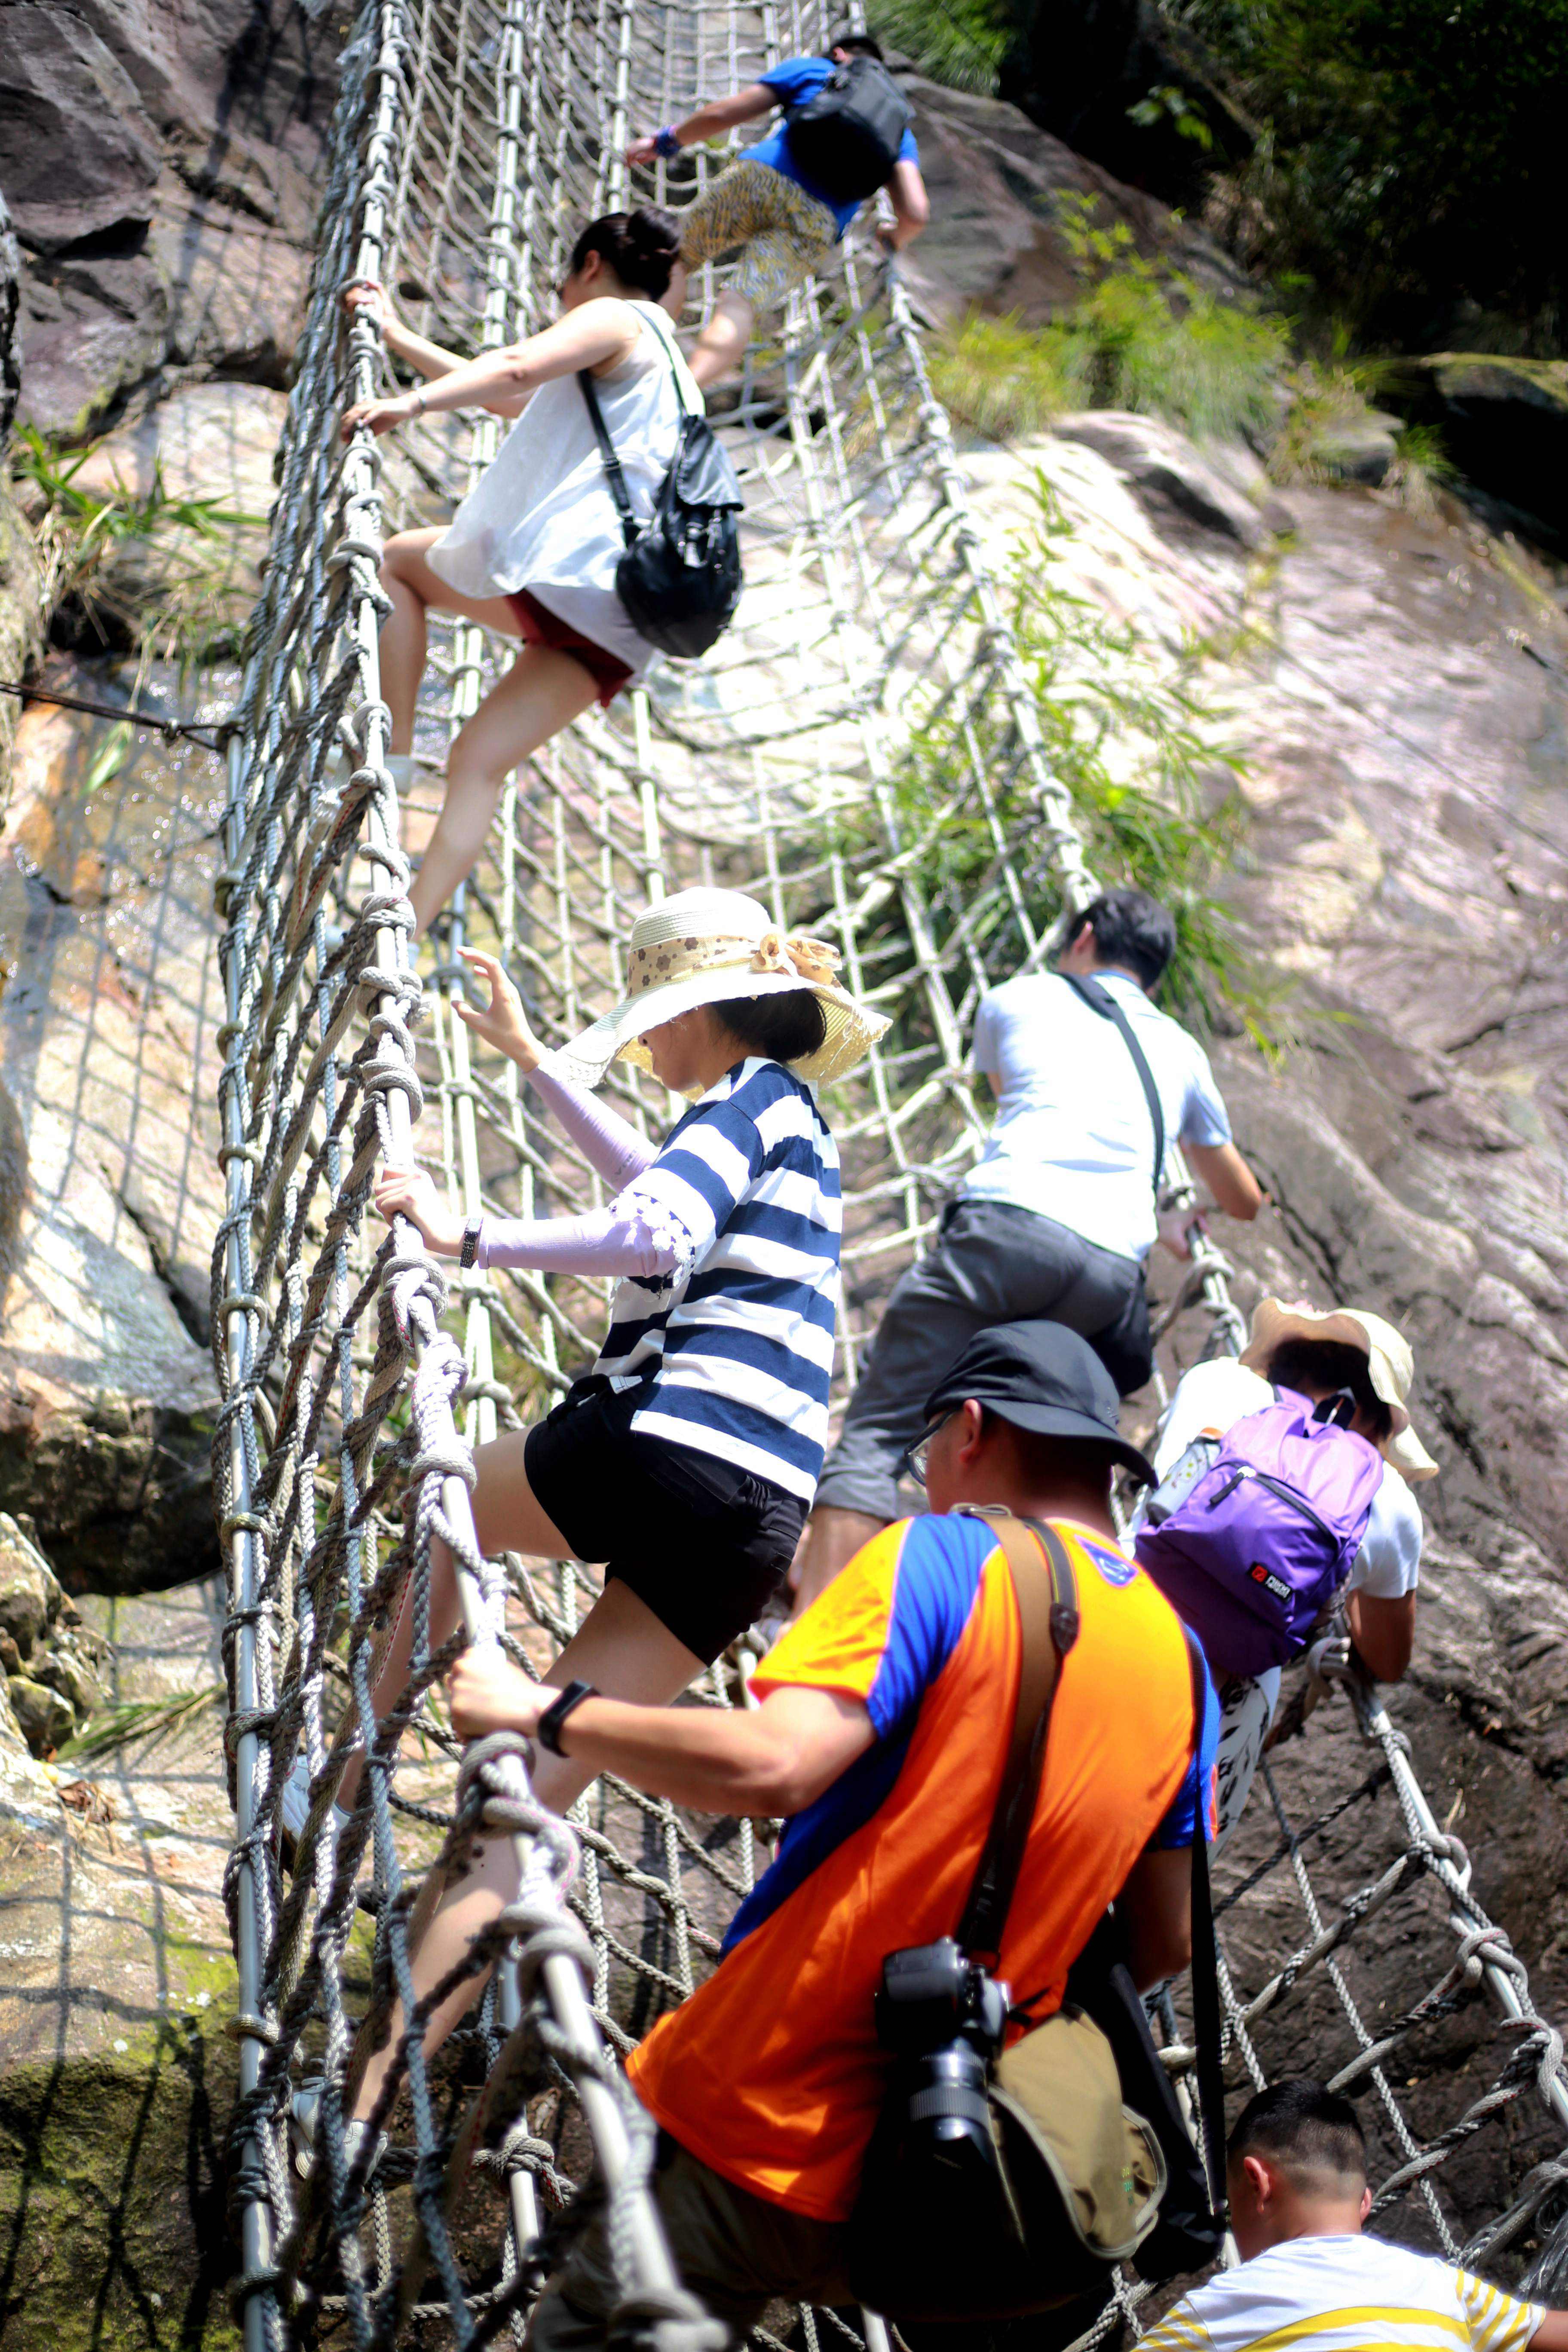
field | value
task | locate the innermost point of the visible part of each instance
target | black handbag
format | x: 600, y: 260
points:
x: 995, y: 2187
x: 680, y: 578
x: 846, y: 137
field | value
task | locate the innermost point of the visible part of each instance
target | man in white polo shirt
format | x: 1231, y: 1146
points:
x: 1307, y: 2279
x: 1093, y: 1083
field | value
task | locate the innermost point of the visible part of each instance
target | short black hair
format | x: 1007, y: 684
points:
x: 1302, y: 2128
x: 642, y: 247
x: 1319, y: 1367
x: 786, y: 1025
x: 859, y: 44
x: 1130, y: 928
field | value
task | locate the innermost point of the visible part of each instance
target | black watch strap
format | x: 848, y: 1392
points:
x: 469, y: 1253
x: 551, y: 1721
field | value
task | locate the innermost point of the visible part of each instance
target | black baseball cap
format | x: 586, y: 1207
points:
x: 1043, y: 1376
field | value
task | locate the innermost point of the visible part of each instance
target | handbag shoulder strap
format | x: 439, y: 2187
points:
x: 612, y: 464
x: 1048, y: 1624
x: 1206, y: 1963
x: 1102, y: 1001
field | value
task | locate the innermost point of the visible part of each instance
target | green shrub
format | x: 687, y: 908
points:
x: 1137, y: 338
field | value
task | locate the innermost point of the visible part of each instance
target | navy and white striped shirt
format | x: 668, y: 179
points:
x: 735, y: 1347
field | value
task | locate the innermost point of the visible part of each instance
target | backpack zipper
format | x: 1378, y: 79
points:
x: 1276, y: 1486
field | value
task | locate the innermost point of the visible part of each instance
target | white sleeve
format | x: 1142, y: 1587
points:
x: 1389, y: 1562
x: 1204, y: 1118
x: 982, y: 1050
x: 1211, y: 1396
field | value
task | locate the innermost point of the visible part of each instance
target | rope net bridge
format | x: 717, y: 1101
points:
x: 862, y: 751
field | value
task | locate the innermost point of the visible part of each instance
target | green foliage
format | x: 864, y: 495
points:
x: 200, y: 603
x: 116, y: 1727
x: 1411, y: 158
x: 1166, y: 103
x: 1133, y: 745
x: 960, y: 42
x: 1137, y: 338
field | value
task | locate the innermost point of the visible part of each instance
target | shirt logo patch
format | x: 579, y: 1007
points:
x: 1111, y: 1564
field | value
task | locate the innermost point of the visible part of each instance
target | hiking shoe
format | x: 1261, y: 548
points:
x: 304, y: 2115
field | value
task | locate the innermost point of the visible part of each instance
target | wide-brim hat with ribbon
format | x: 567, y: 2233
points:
x: 1390, y: 1362
x: 705, y: 947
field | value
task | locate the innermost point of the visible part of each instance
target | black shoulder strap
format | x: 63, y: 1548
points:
x: 612, y: 464
x: 1105, y: 1004
x: 1049, y: 1622
x: 1206, y: 1966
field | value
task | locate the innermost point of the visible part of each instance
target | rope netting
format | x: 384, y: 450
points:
x: 868, y: 709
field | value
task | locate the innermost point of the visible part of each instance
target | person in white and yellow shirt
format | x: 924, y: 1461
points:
x: 1307, y: 2278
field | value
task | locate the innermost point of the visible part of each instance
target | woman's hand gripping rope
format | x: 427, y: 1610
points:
x: 411, y: 1192
x: 487, y: 1693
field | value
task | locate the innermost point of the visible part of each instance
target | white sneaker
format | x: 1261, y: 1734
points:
x: 304, y: 2113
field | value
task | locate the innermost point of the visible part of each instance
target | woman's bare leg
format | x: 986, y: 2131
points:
x: 623, y: 1649
x: 542, y: 692
x: 721, y: 345
x: 507, y: 1517
x: 415, y: 591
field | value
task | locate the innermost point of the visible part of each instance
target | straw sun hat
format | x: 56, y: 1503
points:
x: 704, y: 946
x: 1389, y: 1362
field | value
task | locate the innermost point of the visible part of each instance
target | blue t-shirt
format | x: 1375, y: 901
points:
x: 792, y: 83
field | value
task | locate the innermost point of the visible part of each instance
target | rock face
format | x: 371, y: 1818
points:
x: 109, y: 1191
x: 116, y: 2075
x: 1398, y: 701
x: 1504, y: 424
x: 160, y: 165
x: 995, y: 239
x: 53, y: 1665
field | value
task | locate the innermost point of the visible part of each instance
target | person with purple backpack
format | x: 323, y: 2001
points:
x: 1284, y: 1492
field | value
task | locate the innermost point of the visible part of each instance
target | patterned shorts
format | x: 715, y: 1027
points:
x: 786, y: 234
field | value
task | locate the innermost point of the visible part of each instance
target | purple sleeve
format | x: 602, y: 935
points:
x: 611, y: 1145
x: 613, y: 1241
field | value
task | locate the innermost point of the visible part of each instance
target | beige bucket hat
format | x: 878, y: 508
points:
x: 1389, y: 1360
x: 700, y: 947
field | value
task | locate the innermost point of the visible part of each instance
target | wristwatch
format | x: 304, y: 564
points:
x: 665, y: 141
x: 469, y: 1253
x: 551, y: 1722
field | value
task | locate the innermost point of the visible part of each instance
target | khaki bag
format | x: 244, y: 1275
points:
x: 1078, y: 2178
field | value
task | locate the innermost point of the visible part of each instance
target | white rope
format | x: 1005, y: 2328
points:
x: 473, y: 137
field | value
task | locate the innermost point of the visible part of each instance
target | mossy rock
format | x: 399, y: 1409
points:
x: 113, y: 2229
x: 1504, y: 425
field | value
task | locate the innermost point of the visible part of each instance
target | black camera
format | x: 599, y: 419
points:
x: 942, y: 2018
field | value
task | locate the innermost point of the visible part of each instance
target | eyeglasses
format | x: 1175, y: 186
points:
x: 917, y: 1457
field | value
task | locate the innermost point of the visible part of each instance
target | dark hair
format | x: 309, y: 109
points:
x: 1052, y: 1461
x: 1130, y: 928
x: 1301, y: 2127
x: 641, y: 247
x: 859, y: 44
x: 1319, y: 1367
x: 785, y: 1027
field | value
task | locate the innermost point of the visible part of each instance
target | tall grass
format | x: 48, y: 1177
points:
x: 1139, y: 336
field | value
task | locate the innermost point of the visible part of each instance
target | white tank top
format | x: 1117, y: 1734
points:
x: 540, y: 515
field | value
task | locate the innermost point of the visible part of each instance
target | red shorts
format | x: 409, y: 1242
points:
x: 540, y: 627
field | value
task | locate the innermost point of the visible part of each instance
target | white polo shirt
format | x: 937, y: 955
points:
x: 1073, y: 1139
x: 1346, y: 2293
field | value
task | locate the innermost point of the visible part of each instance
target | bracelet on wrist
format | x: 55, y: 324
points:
x: 665, y: 141
x: 548, y: 1729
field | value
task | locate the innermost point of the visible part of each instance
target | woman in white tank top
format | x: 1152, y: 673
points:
x: 534, y: 548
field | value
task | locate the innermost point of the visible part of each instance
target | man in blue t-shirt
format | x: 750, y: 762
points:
x: 768, y: 204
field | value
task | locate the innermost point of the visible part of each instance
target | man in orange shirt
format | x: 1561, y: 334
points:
x: 885, y: 1717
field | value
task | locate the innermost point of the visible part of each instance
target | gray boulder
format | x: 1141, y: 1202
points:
x: 1224, y: 491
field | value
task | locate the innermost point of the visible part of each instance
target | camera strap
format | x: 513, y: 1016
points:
x: 1046, y: 1591
x: 1204, y: 1963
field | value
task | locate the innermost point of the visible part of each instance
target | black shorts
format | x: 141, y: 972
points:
x: 705, y: 1544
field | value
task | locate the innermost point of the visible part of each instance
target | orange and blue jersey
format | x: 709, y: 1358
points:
x: 771, y: 2072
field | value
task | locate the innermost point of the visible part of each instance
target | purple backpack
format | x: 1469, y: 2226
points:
x: 1254, y: 1549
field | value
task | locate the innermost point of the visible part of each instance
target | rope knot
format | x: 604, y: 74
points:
x: 813, y: 960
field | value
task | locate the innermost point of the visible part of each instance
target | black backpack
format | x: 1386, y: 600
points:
x: 680, y: 576
x: 846, y: 139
